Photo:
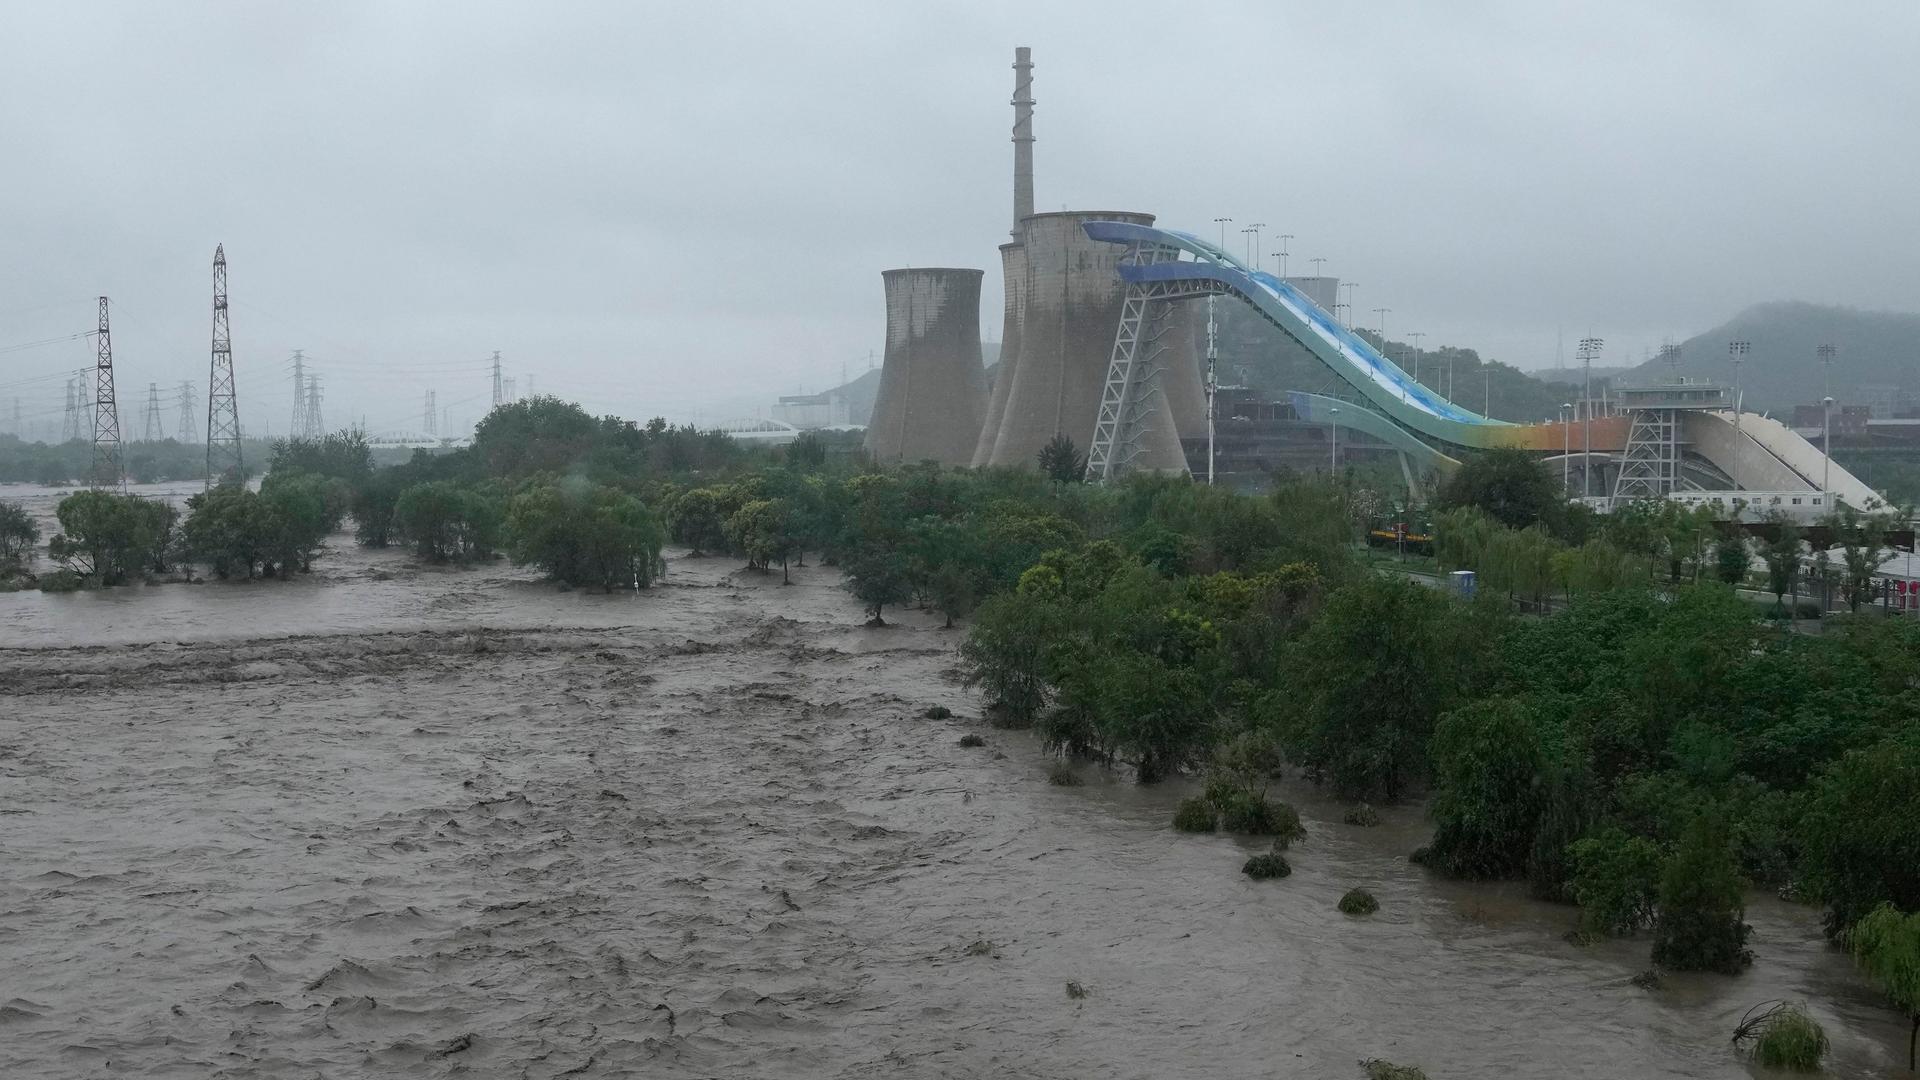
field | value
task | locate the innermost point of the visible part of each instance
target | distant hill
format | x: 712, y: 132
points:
x: 1878, y: 355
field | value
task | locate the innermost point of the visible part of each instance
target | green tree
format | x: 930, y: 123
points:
x: 18, y: 532
x: 1616, y: 882
x: 343, y: 455
x: 1730, y: 558
x: 1886, y: 945
x: 762, y: 530
x: 1780, y: 548
x: 807, y: 452
x: 300, y: 511
x: 1487, y: 801
x: 878, y: 575
x: 231, y: 530
x: 1858, y: 841
x: 695, y: 520
x: 110, y: 537
x: 538, y: 435
x: 448, y: 521
x: 1370, y: 675
x: 1862, y: 538
x: 1007, y: 651
x: 1061, y: 462
x: 584, y: 534
x: 1510, y: 485
x: 1700, y: 924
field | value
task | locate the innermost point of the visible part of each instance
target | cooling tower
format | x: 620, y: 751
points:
x: 1013, y: 271
x: 1070, y: 308
x: 933, y: 390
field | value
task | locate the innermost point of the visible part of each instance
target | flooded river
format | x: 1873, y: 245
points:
x: 397, y: 821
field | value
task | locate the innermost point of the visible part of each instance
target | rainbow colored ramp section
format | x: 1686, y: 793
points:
x: 1177, y: 264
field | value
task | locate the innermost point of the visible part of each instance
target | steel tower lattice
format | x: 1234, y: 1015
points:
x: 107, y: 470
x: 223, y: 404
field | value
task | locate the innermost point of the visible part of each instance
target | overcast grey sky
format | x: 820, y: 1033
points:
x: 685, y: 209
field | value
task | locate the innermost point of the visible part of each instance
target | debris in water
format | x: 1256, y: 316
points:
x: 982, y: 947
x: 1075, y: 990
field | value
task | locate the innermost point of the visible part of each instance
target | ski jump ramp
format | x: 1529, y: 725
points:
x: 1171, y: 265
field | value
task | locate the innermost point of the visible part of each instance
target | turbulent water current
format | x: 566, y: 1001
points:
x: 397, y: 821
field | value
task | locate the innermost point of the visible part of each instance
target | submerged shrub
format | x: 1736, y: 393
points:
x: 1615, y: 879
x: 1791, y: 1040
x: 1363, y: 814
x: 971, y: 739
x: 1061, y: 774
x: 1699, y: 926
x: 1271, y: 864
x: 1194, y: 814
x: 1378, y: 1069
x: 1358, y: 902
x: 937, y: 712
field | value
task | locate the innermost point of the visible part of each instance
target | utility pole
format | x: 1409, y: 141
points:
x: 1589, y: 349
x: 223, y: 402
x: 496, y: 380
x: 1284, y: 238
x: 153, y: 433
x: 1416, y: 335
x: 183, y: 428
x: 302, y: 425
x: 107, y: 470
x: 1737, y: 352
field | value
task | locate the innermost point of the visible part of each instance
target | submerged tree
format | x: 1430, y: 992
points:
x: 1700, y: 926
x: 1886, y: 944
x: 18, y: 532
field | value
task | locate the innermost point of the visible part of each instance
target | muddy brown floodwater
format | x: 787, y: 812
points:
x: 391, y: 821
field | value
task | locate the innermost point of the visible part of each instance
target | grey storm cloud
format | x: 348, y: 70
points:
x: 685, y: 209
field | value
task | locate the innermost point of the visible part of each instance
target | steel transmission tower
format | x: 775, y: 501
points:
x: 512, y: 389
x: 223, y: 405
x: 107, y: 471
x: 70, y: 427
x: 496, y: 381
x: 316, y: 427
x: 184, y: 427
x: 431, y: 417
x: 153, y: 432
x: 302, y: 425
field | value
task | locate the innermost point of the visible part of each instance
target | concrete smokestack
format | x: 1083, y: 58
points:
x: 933, y: 390
x: 1070, y: 309
x: 1013, y: 274
x: 1022, y: 137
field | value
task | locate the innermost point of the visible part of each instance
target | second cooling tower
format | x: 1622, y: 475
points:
x: 933, y: 390
x: 1069, y: 294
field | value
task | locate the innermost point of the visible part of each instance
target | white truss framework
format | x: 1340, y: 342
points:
x: 1650, y: 467
x: 1132, y: 395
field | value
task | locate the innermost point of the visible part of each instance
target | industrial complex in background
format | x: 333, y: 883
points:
x: 1108, y: 337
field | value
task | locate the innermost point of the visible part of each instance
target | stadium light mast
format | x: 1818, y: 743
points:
x: 1253, y: 241
x: 1737, y: 353
x: 1333, y: 442
x: 1826, y: 444
x: 1223, y: 222
x: 1566, y: 449
x: 1416, y: 335
x: 1284, y: 237
x: 1589, y: 349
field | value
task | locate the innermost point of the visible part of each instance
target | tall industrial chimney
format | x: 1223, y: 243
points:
x: 1022, y: 137
x: 933, y: 392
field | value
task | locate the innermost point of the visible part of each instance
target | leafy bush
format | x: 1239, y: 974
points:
x: 1362, y: 815
x: 1859, y: 843
x: 1194, y: 814
x: 1267, y: 865
x: 1061, y: 774
x: 1886, y: 945
x: 1487, y: 762
x: 1358, y: 902
x: 447, y: 521
x: 970, y: 739
x: 1699, y: 926
x: 1791, y: 1040
x: 1379, y: 1069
